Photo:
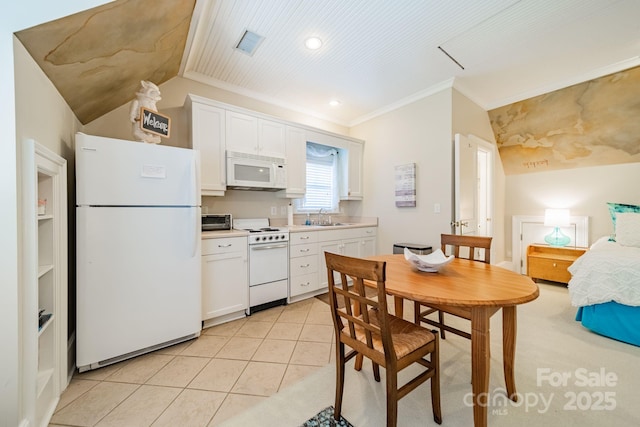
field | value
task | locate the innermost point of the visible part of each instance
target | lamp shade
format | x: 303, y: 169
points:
x: 556, y: 218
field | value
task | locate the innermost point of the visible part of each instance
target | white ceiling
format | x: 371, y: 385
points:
x: 380, y: 54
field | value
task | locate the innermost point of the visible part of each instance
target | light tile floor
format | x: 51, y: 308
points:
x: 205, y: 381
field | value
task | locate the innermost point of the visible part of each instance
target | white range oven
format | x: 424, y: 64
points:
x: 268, y: 263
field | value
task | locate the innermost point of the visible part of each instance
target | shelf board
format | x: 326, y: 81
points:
x: 44, y: 376
x: 43, y: 217
x: 46, y: 325
x: 44, y: 269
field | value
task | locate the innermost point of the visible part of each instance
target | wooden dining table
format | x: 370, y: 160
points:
x: 481, y: 288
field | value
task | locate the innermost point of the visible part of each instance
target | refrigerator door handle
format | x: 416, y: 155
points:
x: 196, y: 233
x: 195, y: 174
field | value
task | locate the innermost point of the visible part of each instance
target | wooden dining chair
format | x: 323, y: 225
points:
x: 365, y: 325
x: 458, y: 243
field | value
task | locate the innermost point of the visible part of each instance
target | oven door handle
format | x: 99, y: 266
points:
x: 264, y: 248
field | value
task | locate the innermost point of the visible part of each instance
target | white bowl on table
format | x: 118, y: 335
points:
x: 429, y: 263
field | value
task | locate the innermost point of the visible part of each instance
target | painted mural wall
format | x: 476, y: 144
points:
x: 589, y: 124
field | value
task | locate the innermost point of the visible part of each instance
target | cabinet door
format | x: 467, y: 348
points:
x: 225, y: 288
x: 355, y: 170
x: 296, y: 155
x: 271, y: 138
x: 333, y: 247
x: 208, y: 136
x: 242, y: 132
x: 351, y: 186
x: 350, y: 247
x: 367, y: 247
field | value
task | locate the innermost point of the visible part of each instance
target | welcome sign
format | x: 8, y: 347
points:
x: 154, y: 122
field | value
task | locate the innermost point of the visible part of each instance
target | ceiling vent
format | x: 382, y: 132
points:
x: 249, y: 42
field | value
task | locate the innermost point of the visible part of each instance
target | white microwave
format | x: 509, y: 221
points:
x: 253, y: 172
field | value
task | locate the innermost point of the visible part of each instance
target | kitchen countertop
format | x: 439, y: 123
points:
x: 301, y: 228
x: 292, y: 229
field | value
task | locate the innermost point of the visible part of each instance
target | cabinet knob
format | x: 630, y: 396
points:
x: 555, y: 265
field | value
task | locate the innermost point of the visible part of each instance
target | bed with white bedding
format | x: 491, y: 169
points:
x: 605, y: 283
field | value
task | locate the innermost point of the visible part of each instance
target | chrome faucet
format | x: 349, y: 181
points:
x: 320, y: 216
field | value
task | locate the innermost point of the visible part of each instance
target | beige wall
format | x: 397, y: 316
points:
x: 43, y: 115
x: 417, y: 133
x: 585, y: 191
x: 41, y: 112
x: 16, y: 16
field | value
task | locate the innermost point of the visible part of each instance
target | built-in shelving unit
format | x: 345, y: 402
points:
x: 44, y: 290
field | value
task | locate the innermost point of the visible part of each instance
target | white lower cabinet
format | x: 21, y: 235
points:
x: 354, y: 242
x: 303, y: 263
x: 308, y: 271
x: 368, y: 242
x: 225, y: 285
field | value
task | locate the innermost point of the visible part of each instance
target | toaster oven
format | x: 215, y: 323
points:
x: 216, y: 222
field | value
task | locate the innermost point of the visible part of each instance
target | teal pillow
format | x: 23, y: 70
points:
x: 615, y: 208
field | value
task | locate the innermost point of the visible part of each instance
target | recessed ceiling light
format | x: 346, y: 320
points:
x: 334, y: 103
x: 313, y: 43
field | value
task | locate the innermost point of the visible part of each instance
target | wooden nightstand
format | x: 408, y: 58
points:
x: 551, y: 263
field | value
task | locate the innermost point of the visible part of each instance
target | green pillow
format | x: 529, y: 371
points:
x: 615, y: 208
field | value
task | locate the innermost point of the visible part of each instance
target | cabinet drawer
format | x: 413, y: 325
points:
x: 303, y: 284
x: 368, y: 231
x: 549, y: 269
x: 304, y: 237
x: 224, y: 245
x: 303, y: 265
x: 303, y: 250
x: 339, y: 234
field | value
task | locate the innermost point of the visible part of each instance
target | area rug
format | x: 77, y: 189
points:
x: 325, y: 418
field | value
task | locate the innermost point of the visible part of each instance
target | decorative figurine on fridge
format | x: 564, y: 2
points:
x: 146, y: 97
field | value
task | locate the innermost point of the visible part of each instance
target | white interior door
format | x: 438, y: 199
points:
x: 465, y: 185
x: 473, y: 186
x: 485, y: 157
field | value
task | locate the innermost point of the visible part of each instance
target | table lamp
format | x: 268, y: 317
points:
x: 557, y: 218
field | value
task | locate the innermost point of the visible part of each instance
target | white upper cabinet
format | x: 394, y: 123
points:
x: 351, y: 172
x: 271, y: 138
x: 296, y: 150
x: 253, y: 135
x: 215, y: 128
x: 207, y: 134
x: 242, y: 132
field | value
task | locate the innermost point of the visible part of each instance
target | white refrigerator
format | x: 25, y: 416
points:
x: 138, y: 228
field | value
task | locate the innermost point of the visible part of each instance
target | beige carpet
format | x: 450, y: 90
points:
x: 551, y: 345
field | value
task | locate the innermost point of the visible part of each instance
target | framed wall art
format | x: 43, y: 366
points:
x: 405, y: 179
